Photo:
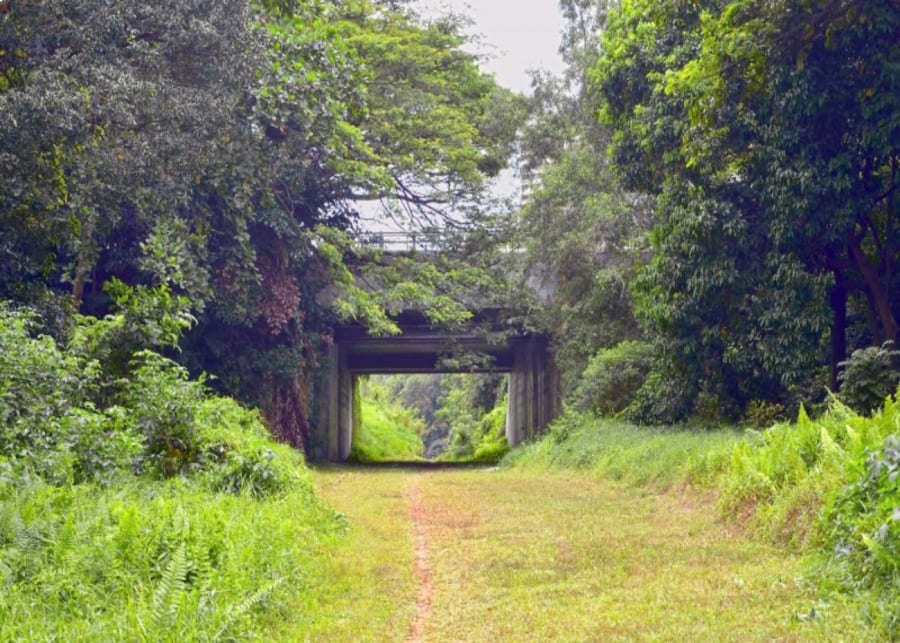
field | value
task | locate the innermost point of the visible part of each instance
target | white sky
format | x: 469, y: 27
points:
x: 518, y: 35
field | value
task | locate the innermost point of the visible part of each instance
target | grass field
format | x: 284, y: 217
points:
x: 530, y: 555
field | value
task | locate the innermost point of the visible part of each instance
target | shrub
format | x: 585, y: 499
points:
x: 238, y: 454
x: 762, y: 414
x: 48, y: 423
x: 162, y: 402
x: 612, y: 378
x: 863, y: 525
x: 163, y: 423
x: 869, y: 376
x: 662, y: 399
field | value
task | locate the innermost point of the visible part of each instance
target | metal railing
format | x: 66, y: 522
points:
x: 402, y: 242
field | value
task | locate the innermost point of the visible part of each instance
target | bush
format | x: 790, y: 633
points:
x: 869, y: 376
x: 48, y: 423
x: 762, y: 414
x: 612, y: 378
x: 863, y: 525
x: 238, y: 453
x: 662, y: 399
x: 162, y: 423
x: 162, y: 402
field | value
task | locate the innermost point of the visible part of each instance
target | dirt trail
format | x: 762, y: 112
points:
x: 422, y: 566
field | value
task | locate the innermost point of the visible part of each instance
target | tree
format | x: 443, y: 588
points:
x: 771, y: 155
x: 115, y: 114
x: 583, y: 234
x: 219, y: 150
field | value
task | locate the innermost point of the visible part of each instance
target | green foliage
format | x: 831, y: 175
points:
x: 238, y: 453
x: 622, y: 451
x: 766, y: 134
x: 863, y: 526
x: 583, y: 237
x: 148, y: 560
x: 474, y: 411
x: 48, y: 422
x: 491, y: 446
x: 666, y: 397
x: 386, y: 431
x: 762, y: 414
x: 612, y: 378
x: 829, y: 485
x: 869, y: 376
x: 55, y: 423
x: 162, y: 401
x: 796, y: 469
x: 207, y: 173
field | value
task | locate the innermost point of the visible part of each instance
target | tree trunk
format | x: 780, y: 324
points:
x: 885, y: 325
x: 838, y: 300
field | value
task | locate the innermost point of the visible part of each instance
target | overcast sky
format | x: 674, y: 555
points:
x: 520, y: 35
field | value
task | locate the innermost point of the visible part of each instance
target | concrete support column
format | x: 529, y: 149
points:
x: 327, y: 429
x: 345, y: 414
x: 533, y: 391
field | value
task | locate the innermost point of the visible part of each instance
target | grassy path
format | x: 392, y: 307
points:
x: 479, y: 555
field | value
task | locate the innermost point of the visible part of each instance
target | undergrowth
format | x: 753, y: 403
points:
x: 168, y: 561
x: 632, y: 454
x: 135, y: 505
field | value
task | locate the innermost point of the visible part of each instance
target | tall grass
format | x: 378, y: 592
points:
x: 168, y: 561
x: 632, y: 454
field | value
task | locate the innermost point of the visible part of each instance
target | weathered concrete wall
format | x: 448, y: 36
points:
x: 533, y: 391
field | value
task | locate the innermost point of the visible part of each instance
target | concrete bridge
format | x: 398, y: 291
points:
x: 533, y: 379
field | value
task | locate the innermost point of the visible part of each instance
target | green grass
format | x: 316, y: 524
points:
x: 825, y: 488
x: 371, y: 587
x: 536, y: 555
x: 386, y: 432
x: 166, y: 561
x: 622, y: 451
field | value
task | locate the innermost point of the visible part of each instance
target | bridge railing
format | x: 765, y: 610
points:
x: 402, y: 242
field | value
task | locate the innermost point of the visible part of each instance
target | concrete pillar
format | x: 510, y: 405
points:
x: 328, y: 423
x: 345, y: 414
x: 533, y: 392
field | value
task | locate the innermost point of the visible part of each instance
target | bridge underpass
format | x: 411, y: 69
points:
x: 533, y: 379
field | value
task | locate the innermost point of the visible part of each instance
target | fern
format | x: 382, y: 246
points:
x: 171, y: 589
x: 234, y: 613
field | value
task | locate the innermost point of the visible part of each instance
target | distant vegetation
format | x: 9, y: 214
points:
x: 386, y: 431
x: 447, y: 417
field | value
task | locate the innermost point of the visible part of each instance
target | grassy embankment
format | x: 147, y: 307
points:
x: 386, y: 432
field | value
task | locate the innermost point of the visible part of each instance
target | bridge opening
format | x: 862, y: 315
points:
x: 431, y: 417
x: 357, y: 363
